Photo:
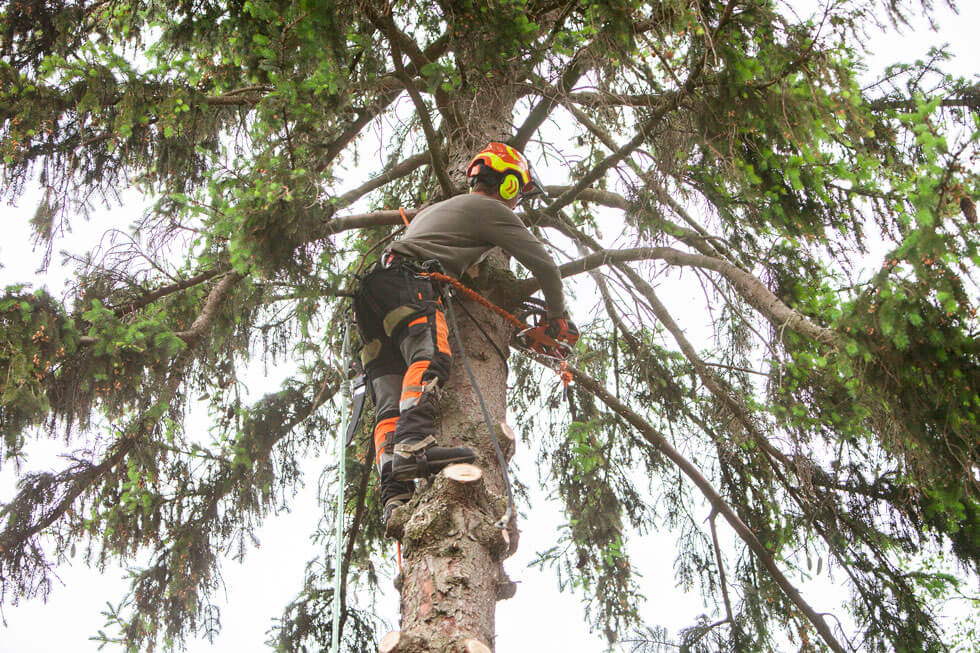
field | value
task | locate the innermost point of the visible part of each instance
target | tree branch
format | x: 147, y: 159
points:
x: 607, y: 99
x: 969, y: 99
x: 397, y: 171
x: 435, y: 151
x: 751, y: 289
x: 163, y: 291
x: 549, y: 99
x: 205, y: 318
x: 360, y: 221
x: 718, y: 503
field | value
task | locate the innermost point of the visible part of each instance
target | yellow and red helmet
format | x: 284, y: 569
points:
x: 516, y: 176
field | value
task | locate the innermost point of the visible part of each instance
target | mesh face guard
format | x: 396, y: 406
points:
x: 532, y: 190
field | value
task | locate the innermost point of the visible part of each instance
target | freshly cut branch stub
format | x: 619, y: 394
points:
x: 476, y: 646
x: 463, y: 473
x: 508, y: 440
x: 389, y: 642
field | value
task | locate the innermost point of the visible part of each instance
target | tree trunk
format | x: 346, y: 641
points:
x: 452, y: 575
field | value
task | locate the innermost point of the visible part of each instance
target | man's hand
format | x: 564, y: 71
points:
x: 562, y: 329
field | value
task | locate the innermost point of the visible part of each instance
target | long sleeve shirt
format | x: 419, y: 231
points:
x: 460, y: 231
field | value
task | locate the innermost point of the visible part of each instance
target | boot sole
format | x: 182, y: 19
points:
x: 408, y: 472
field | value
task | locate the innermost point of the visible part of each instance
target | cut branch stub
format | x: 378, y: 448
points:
x: 508, y: 440
x: 476, y: 646
x: 389, y: 642
x: 463, y: 473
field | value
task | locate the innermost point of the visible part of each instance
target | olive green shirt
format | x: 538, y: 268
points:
x: 460, y: 231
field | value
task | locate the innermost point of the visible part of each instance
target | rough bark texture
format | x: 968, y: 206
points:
x: 452, y: 576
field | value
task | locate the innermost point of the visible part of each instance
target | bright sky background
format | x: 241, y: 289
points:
x: 539, y: 618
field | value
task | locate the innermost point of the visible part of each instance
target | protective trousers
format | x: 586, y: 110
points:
x: 406, y: 357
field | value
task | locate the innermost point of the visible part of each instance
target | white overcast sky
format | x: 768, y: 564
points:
x: 539, y: 618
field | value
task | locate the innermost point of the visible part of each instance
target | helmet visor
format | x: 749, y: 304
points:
x: 532, y: 189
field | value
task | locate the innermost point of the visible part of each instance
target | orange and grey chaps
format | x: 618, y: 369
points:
x: 406, y: 357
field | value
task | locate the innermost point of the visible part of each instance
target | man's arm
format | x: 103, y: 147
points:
x: 506, y: 230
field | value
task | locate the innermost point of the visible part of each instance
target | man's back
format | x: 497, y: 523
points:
x: 459, y: 232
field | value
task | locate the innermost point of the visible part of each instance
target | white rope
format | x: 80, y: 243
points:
x: 341, y: 474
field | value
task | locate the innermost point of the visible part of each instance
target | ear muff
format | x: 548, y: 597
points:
x: 510, y: 186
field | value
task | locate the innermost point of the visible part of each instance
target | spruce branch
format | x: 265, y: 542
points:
x: 718, y: 503
x: 750, y: 288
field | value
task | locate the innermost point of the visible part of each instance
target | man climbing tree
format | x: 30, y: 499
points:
x: 406, y: 353
x: 720, y: 161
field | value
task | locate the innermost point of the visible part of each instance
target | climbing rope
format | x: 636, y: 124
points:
x: 475, y: 296
x: 341, y: 474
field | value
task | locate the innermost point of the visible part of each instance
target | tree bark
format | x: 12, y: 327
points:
x: 452, y: 553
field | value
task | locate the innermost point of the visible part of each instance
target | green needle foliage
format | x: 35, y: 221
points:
x: 786, y: 294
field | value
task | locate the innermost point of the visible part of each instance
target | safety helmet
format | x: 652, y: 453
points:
x: 514, y: 172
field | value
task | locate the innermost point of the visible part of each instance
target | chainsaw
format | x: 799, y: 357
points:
x: 534, y: 314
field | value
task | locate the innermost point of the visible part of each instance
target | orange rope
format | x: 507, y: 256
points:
x: 401, y: 210
x: 563, y: 372
x: 475, y: 296
x: 399, y: 547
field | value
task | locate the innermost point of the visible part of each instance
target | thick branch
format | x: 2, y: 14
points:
x: 163, y: 291
x: 594, y: 195
x: 550, y: 99
x: 205, y: 318
x: 751, y: 289
x: 397, y: 171
x: 360, y: 221
x: 209, y: 313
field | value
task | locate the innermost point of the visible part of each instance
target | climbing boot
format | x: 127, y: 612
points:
x: 396, y: 501
x: 418, y: 457
x: 393, y: 493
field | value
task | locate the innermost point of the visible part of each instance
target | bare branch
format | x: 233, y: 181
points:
x: 751, y: 289
x: 163, y: 291
x: 435, y: 151
x: 595, y: 195
x: 359, y: 221
x: 550, y: 98
x: 397, y: 171
x: 607, y: 99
